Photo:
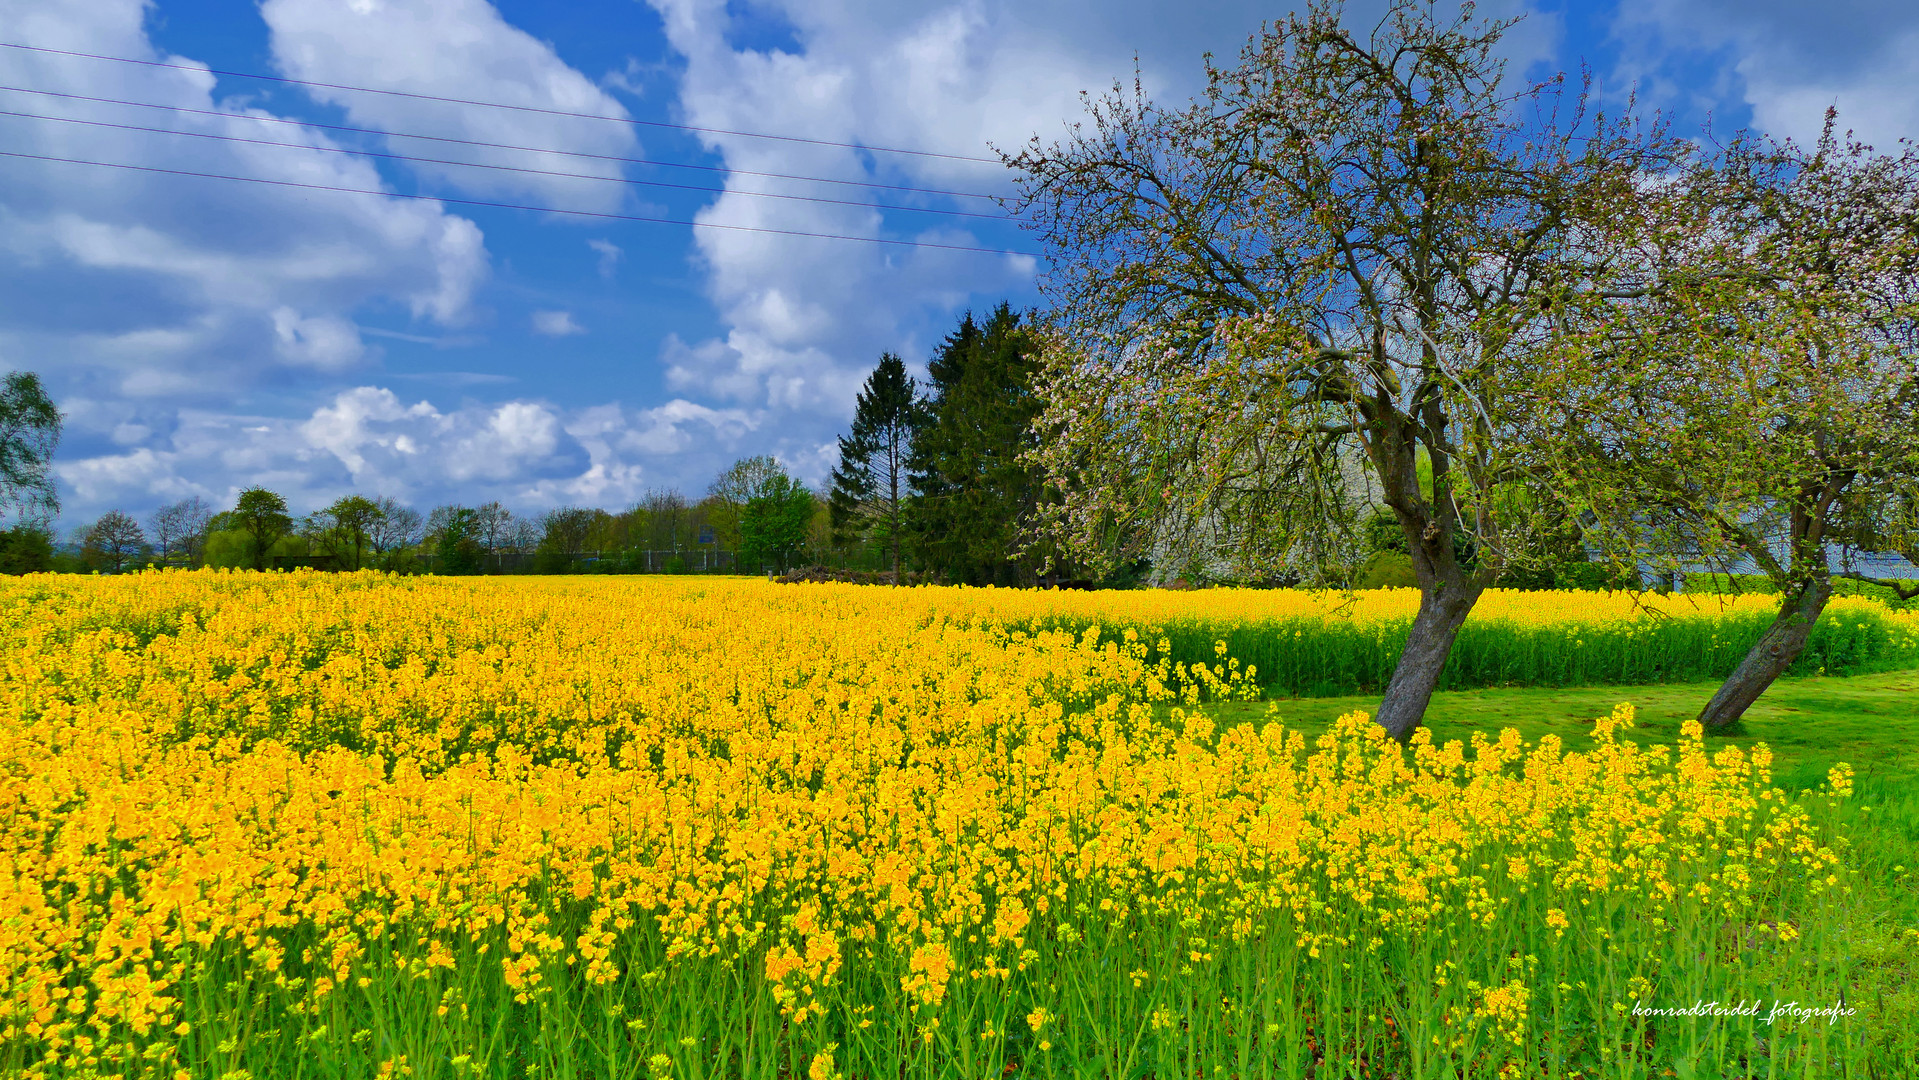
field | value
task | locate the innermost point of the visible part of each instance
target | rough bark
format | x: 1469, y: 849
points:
x: 1770, y: 656
x: 1447, y: 590
x: 1441, y: 612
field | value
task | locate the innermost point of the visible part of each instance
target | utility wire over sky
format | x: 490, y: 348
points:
x: 500, y: 146
x: 512, y: 206
x: 394, y: 156
x: 481, y: 165
x: 499, y: 105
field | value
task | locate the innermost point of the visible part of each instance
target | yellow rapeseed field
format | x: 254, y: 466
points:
x: 363, y: 826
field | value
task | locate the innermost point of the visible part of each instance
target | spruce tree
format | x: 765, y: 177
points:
x: 974, y: 493
x: 871, y: 483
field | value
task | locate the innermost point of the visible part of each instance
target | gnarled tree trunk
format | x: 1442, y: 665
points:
x: 1771, y: 655
x: 1442, y: 610
x: 1447, y: 589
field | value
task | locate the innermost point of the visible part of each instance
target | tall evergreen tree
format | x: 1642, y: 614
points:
x: 872, y: 482
x: 974, y: 494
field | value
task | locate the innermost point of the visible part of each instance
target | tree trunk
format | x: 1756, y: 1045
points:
x: 1442, y: 610
x: 1771, y: 655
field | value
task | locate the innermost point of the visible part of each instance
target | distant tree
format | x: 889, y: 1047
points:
x: 437, y: 520
x: 165, y: 526
x: 775, y: 520
x: 667, y: 519
x: 606, y: 532
x: 179, y: 530
x: 397, y: 528
x: 262, y: 515
x: 628, y: 531
x: 872, y: 482
x: 523, y: 535
x: 457, y: 541
x: 494, y: 523
x: 25, y: 549
x: 112, y: 542
x: 227, y: 545
x: 726, y: 498
x: 566, y: 529
x: 344, y: 529
x: 29, y: 430
x: 974, y: 494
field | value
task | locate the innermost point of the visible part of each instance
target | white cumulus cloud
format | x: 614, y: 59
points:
x: 460, y: 49
x: 527, y: 453
x: 157, y: 286
x: 556, y: 324
x: 1786, y: 61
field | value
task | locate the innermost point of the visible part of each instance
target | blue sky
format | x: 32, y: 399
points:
x: 205, y: 335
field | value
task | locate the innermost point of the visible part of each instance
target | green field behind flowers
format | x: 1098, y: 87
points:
x: 1546, y: 639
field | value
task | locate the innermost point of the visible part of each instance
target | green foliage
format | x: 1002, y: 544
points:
x: 228, y: 549
x: 459, y: 543
x: 975, y: 495
x: 1592, y: 577
x: 774, y: 521
x: 1387, y: 569
x: 727, y: 496
x: 1745, y: 389
x: 344, y: 529
x: 233, y: 549
x: 566, y: 530
x: 871, y: 484
x: 25, y: 549
x: 29, y: 430
x: 1381, y: 533
x: 262, y: 515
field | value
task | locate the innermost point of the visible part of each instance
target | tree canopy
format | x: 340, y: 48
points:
x: 113, y: 542
x: 29, y: 431
x: 1745, y: 390
x: 728, y: 494
x: 975, y: 492
x: 262, y: 515
x: 871, y: 484
x: 774, y: 521
x: 1269, y: 306
x: 345, y: 528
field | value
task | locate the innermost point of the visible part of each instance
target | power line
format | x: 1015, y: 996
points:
x: 496, y: 104
x: 517, y: 206
x: 502, y: 168
x: 496, y: 146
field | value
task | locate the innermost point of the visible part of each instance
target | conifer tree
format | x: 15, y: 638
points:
x: 871, y: 483
x: 974, y: 494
